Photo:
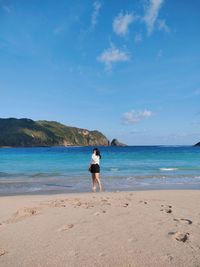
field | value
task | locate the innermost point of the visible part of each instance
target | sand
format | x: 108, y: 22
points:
x: 143, y: 228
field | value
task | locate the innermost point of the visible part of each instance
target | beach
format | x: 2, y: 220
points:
x: 140, y: 228
x: 99, y: 96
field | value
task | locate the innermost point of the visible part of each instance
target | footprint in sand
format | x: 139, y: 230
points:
x: 101, y: 254
x: 2, y: 225
x: 58, y: 203
x: 99, y: 212
x: 2, y: 252
x: 22, y: 214
x: 144, y: 202
x: 105, y: 202
x: 181, y: 237
x: 65, y: 227
x: 185, y: 221
x: 62, y: 203
x: 168, y: 257
x: 166, y: 208
x: 83, y: 204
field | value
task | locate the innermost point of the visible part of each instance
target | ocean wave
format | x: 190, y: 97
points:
x: 43, y: 174
x: 168, y: 169
x: 34, y: 189
x: 9, y: 175
x: 30, y: 175
x: 3, y: 174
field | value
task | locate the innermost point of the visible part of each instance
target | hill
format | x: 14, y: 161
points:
x: 30, y: 133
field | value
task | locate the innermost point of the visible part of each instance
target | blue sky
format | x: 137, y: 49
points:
x: 128, y: 68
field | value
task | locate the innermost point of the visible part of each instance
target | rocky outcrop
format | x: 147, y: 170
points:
x: 29, y: 133
x: 115, y: 142
x: 198, y: 144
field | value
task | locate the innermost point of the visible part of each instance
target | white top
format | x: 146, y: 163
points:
x: 95, y: 159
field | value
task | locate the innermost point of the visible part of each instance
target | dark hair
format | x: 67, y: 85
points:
x: 97, y: 152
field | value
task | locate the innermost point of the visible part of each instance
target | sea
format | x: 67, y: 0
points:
x: 52, y: 170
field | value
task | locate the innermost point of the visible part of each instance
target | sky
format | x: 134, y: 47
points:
x: 128, y: 68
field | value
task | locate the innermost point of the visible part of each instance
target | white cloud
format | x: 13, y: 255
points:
x: 151, y: 14
x: 121, y: 23
x: 95, y: 14
x: 162, y: 26
x: 112, y: 55
x: 138, y: 38
x: 131, y: 117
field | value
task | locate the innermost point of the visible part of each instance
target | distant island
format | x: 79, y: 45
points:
x: 198, y: 144
x: 115, y: 142
x: 29, y: 133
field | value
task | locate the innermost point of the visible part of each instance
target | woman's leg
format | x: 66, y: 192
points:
x: 97, y: 177
x: 93, y: 182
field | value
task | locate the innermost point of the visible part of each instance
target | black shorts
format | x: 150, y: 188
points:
x: 95, y: 168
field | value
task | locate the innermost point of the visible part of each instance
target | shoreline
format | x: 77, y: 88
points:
x: 54, y: 194
x: 136, y: 145
x: 169, y: 187
x: 151, y: 228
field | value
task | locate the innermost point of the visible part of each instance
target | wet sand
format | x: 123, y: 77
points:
x: 142, y: 228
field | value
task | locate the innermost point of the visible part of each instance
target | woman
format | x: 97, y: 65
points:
x: 95, y: 169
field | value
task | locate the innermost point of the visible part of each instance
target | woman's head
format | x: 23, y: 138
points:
x: 97, y: 152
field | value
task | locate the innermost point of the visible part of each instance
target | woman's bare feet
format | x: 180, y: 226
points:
x: 94, y: 189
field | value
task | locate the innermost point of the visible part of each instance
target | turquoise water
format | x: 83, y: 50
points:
x: 64, y: 169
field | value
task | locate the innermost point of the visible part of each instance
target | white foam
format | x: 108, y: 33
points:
x: 168, y: 169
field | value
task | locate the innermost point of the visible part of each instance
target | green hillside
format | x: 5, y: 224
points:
x: 29, y: 133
